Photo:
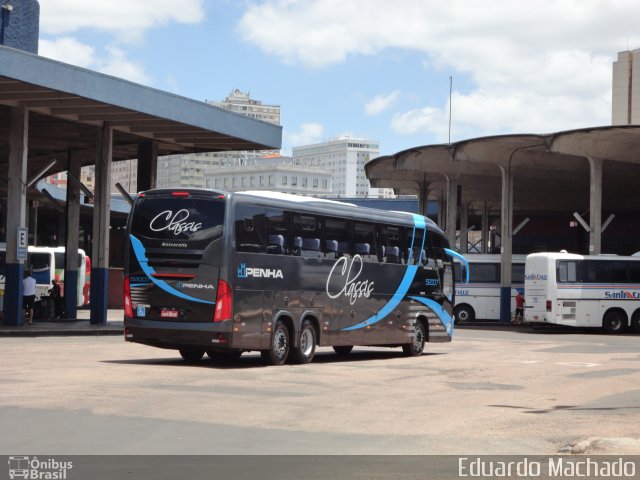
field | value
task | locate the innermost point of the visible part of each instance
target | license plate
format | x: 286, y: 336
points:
x: 169, y: 314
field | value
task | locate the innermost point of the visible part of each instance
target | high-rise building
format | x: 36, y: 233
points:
x: 275, y: 173
x: 188, y: 170
x: 345, y: 157
x: 626, y: 89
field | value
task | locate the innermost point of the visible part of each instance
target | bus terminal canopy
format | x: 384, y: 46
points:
x: 67, y: 104
x: 592, y: 170
x: 57, y: 117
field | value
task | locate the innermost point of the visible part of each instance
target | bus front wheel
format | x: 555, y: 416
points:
x: 416, y: 347
x: 306, y: 348
x: 614, y: 322
x: 280, y: 344
x: 191, y: 354
x: 464, y: 313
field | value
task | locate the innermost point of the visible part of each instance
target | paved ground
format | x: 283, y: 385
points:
x: 490, y: 391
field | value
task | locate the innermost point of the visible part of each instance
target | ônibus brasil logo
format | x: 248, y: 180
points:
x: 33, y: 468
x: 246, y: 272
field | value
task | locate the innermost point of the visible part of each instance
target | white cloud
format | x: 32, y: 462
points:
x: 68, y: 50
x: 113, y: 62
x: 118, y: 65
x: 534, y: 66
x: 308, y: 133
x: 380, y: 103
x: 127, y: 20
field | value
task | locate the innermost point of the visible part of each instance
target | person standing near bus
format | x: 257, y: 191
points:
x: 519, y: 308
x: 28, y: 295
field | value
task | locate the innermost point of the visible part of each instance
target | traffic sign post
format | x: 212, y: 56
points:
x: 21, y: 244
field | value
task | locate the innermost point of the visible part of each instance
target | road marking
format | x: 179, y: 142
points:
x: 579, y: 364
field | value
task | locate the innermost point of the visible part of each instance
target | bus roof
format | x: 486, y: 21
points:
x: 328, y: 206
x: 575, y: 256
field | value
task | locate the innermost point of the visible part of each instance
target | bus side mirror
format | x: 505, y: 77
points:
x: 455, y: 255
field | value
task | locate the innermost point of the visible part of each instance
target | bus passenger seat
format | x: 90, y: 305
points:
x: 297, y: 245
x: 343, y: 247
x: 276, y: 244
x: 312, y: 244
x: 331, y: 246
x: 392, y: 255
x: 363, y: 248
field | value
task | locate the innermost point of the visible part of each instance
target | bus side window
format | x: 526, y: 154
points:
x: 414, y: 253
x: 392, y: 240
x: 307, y: 231
x: 365, y: 241
x: 250, y: 235
x: 278, y: 232
x: 336, y: 238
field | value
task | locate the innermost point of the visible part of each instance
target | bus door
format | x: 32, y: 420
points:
x: 174, y: 255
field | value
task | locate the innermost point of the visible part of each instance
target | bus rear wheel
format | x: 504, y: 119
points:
x: 635, y: 321
x: 306, y: 348
x: 464, y: 313
x: 191, y: 354
x: 343, y: 349
x: 280, y: 344
x: 416, y: 347
x: 614, y: 322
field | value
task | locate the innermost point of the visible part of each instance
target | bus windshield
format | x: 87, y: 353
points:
x: 187, y: 222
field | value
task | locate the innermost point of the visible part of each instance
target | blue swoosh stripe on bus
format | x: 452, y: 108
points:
x: 402, y: 290
x: 141, y: 256
x: 443, y: 315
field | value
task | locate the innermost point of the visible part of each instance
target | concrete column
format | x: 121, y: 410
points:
x: 100, y: 236
x: 464, y: 227
x: 452, y: 210
x: 72, y: 240
x: 423, y: 197
x: 147, y: 165
x: 595, y: 207
x: 506, y: 244
x: 485, y: 228
x: 16, y: 212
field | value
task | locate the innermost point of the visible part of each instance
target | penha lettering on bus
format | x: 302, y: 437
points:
x: 246, y: 272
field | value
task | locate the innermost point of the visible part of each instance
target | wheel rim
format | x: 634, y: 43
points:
x: 463, y: 315
x: 280, y: 343
x: 306, y: 342
x: 615, y: 323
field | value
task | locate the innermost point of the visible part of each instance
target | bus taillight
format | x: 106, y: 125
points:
x: 128, y: 310
x: 224, y: 302
x: 548, y: 305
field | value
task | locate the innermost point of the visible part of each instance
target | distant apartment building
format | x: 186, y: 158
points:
x: 626, y: 89
x: 188, y: 170
x: 345, y: 157
x: 274, y: 173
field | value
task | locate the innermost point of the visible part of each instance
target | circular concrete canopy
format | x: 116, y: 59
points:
x: 551, y: 173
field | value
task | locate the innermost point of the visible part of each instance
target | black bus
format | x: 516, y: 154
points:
x: 224, y: 273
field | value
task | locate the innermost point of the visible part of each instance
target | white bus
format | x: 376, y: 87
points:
x: 480, y: 298
x: 583, y: 291
x: 46, y: 264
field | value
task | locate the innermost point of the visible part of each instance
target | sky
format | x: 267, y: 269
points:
x: 379, y: 69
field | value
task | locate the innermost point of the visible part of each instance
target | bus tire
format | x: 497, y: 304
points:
x: 279, y: 347
x: 635, y: 321
x: 416, y: 347
x: 614, y: 322
x: 343, y: 349
x: 306, y: 348
x: 464, y: 313
x: 191, y: 354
